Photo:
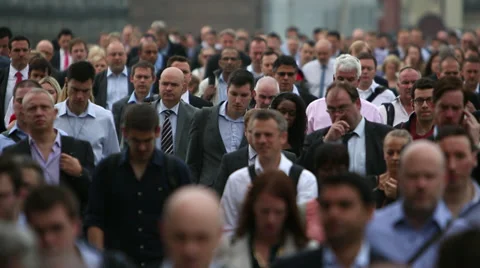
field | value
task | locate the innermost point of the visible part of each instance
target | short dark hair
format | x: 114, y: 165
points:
x: 232, y: 49
x: 258, y: 39
x: 357, y: 182
x: 39, y: 63
x: 455, y: 131
x: 77, y: 41
x: 9, y: 168
x: 335, y: 34
x: 318, y: 30
x: 141, y: 117
x: 274, y: 35
x: 46, y: 197
x: 292, y: 28
x: 310, y: 43
x: 146, y: 65
x: 5, y: 32
x: 447, y: 84
x: 350, y: 89
x: 26, y: 83
x: 240, y: 78
x: 472, y: 59
x: 64, y: 31
x: 422, y: 83
x: 367, y: 56
x: 18, y: 38
x: 81, y: 71
x: 331, y: 153
x: 460, y: 248
x: 269, y: 52
x: 448, y: 56
x: 284, y: 60
x: 178, y: 58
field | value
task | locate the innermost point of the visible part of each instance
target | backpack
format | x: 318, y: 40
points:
x: 14, y: 137
x: 294, y: 173
x: 390, y: 113
x: 378, y: 90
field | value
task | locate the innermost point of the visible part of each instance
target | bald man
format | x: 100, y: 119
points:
x: 113, y: 84
x: 319, y: 73
x: 175, y: 115
x: 398, y: 231
x: 46, y: 48
x: 266, y: 89
x: 198, y: 205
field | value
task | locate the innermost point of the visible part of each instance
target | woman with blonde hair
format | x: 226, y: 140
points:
x: 51, y: 85
x: 390, y: 68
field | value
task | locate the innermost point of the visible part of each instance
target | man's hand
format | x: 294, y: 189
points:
x: 337, y: 130
x: 70, y: 165
x: 470, y: 124
x: 209, y: 92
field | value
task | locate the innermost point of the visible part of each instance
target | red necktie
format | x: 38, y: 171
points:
x: 66, y: 61
x: 19, y: 77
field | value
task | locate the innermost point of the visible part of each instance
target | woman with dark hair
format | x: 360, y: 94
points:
x: 432, y: 67
x: 292, y: 107
x: 413, y: 58
x: 269, y: 224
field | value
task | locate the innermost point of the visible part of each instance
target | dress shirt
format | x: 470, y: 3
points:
x: 361, y: 261
x: 50, y: 166
x: 401, y: 114
x: 252, y: 155
x: 134, y: 205
x: 117, y: 86
x: 237, y: 187
x: 393, y: 237
x: 199, y: 72
x: 173, y: 122
x: 318, y: 118
x: 133, y: 98
x: 295, y: 90
x: 313, y: 74
x: 12, y: 80
x: 186, y: 97
x: 91, y: 257
x: 62, y: 60
x: 385, y: 96
x: 477, y: 89
x: 231, y: 130
x: 221, y: 93
x: 94, y: 125
x: 250, y: 69
x: 159, y: 62
x: 357, y: 150
x: 380, y: 55
x: 475, y: 200
x: 6, y: 141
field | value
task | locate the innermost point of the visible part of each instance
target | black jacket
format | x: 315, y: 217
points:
x: 100, y: 88
x: 212, y: 64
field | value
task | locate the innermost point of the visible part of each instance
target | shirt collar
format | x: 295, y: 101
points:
x: 220, y: 78
x: 64, y: 110
x: 223, y: 113
x: 174, y: 109
x: 24, y: 71
x: 16, y: 128
x: 124, y: 72
x: 476, y: 197
x: 89, y: 256
x: 441, y: 216
x: 360, y: 129
x: 186, y: 97
x: 362, y: 259
x: 164, y: 51
x: 133, y: 98
x: 156, y: 159
x: 57, y: 142
x: 251, y: 153
x: 295, y: 90
x: 284, y: 165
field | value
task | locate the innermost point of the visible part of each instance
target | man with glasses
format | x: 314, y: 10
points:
x: 363, y: 138
x: 420, y: 123
x: 399, y: 110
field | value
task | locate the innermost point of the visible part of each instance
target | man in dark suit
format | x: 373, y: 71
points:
x: 285, y: 71
x: 113, y: 84
x: 4, y: 62
x: 166, y: 48
x: 363, y: 138
x: 62, y: 57
x: 218, y: 130
x: 344, y: 232
x: 183, y: 64
x: 69, y: 161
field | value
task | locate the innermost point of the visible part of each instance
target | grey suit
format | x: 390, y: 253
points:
x: 206, y: 147
x: 184, y: 120
x: 234, y: 161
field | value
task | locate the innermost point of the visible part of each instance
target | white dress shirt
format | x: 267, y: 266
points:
x: 186, y: 97
x: 231, y: 130
x: 295, y: 90
x: 62, y: 60
x: 95, y: 125
x: 237, y: 186
x: 12, y: 79
x: 221, y: 92
x: 252, y: 155
x: 362, y: 260
x: 313, y: 74
x: 401, y: 114
x: 250, y: 69
x: 173, y: 122
x: 117, y: 86
x: 357, y: 150
x: 385, y: 96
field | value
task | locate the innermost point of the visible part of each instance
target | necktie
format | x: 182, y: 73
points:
x: 19, y: 77
x: 322, y: 81
x: 66, y: 61
x: 347, y: 137
x: 167, y: 134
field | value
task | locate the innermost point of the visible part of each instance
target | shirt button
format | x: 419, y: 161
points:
x: 140, y: 212
x: 139, y: 193
x: 141, y: 246
x: 140, y: 229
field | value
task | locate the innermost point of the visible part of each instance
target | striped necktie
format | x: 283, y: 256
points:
x: 167, y: 133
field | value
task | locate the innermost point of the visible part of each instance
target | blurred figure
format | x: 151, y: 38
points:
x: 413, y: 58
x: 460, y: 55
x: 403, y: 40
x: 367, y: 88
x: 51, y: 85
x: 469, y: 39
x: 471, y: 74
x: 38, y: 68
x: 78, y: 49
x: 432, y: 67
x: 358, y: 34
x: 268, y: 59
x: 257, y: 47
x: 336, y: 41
x: 460, y: 250
x: 274, y: 42
x: 10, y: 189
x: 381, y: 48
x: 18, y: 246
x: 319, y: 73
x: 306, y: 53
x: 390, y: 68
x: 46, y: 48
x: 99, y: 63
x: 265, y: 91
x: 203, y: 58
x: 63, y: 58
x: 5, y: 36
x: 417, y: 39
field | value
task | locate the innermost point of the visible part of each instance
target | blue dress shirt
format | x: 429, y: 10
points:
x: 231, y: 130
x: 7, y: 141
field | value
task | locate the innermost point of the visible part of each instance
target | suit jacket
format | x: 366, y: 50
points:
x: 374, y: 136
x: 206, y: 147
x: 4, y: 62
x: 198, y: 102
x: 79, y: 149
x: 212, y: 64
x: 175, y: 50
x: 381, y: 81
x: 118, y: 111
x: 306, y: 96
x: 55, y: 61
x: 100, y: 88
x: 3, y: 90
x: 184, y: 120
x: 59, y: 76
x: 234, y: 161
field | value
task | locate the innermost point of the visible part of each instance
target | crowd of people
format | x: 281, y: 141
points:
x: 238, y: 149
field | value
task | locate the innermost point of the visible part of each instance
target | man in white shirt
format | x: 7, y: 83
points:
x: 62, y: 58
x: 319, y: 73
x: 367, y: 88
x: 257, y: 48
x: 15, y: 73
x: 269, y: 133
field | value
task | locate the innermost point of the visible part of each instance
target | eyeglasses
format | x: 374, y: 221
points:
x: 282, y: 74
x: 420, y: 101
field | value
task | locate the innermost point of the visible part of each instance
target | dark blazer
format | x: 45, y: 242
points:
x: 381, y: 81
x: 212, y: 64
x: 55, y: 61
x: 59, y: 76
x: 118, y: 111
x: 374, y: 135
x: 306, y: 96
x: 100, y: 88
x: 198, y: 102
x: 132, y: 57
x: 4, y: 62
x: 3, y: 90
x: 79, y: 149
x: 175, y: 50
x: 206, y: 147
x: 234, y: 161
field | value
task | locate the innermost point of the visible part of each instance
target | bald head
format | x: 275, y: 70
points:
x: 420, y: 150
x: 173, y: 72
x: 358, y: 34
x: 116, y: 57
x: 323, y: 50
x: 172, y: 85
x: 46, y: 48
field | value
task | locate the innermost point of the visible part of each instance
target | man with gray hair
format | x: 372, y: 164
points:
x: 166, y: 48
x: 319, y: 73
x: 265, y: 90
x: 268, y: 134
x: 17, y: 247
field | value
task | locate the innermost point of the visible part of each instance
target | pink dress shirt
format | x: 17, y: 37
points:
x: 318, y: 118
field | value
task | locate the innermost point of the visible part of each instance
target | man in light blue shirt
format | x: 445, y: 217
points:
x: 83, y: 119
x: 400, y: 230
